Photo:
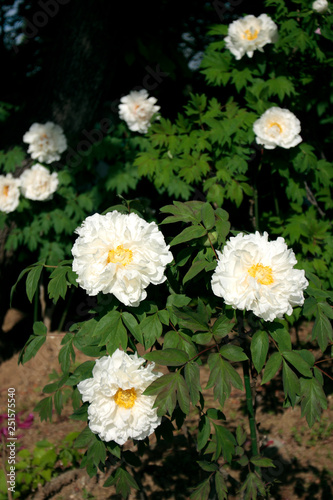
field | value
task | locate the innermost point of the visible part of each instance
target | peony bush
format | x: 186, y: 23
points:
x: 241, y: 252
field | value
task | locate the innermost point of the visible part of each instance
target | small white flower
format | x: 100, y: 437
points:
x: 320, y: 6
x: 120, y: 254
x: 46, y: 142
x: 250, y: 33
x: 277, y: 127
x: 137, y: 110
x: 9, y: 193
x: 118, y: 411
x: 37, y: 183
x: 257, y: 275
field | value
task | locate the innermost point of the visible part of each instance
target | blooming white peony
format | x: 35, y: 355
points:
x: 320, y: 6
x: 120, y: 254
x: 250, y: 33
x: 277, y: 127
x: 257, y: 275
x: 9, y: 193
x: 37, y: 183
x: 137, y: 110
x: 46, y: 142
x: 118, y: 411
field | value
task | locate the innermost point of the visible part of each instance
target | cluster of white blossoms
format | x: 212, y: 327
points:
x: 37, y: 183
x: 249, y: 34
x: 46, y: 142
x: 118, y: 410
x: 320, y: 6
x: 120, y: 254
x: 277, y: 127
x: 137, y: 109
x: 9, y: 193
x: 257, y: 275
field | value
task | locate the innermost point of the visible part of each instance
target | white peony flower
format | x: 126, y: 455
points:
x: 37, y: 183
x: 320, y: 6
x: 46, y: 142
x: 118, y: 411
x: 120, y: 254
x: 250, y: 33
x: 257, y: 275
x: 137, y: 110
x: 277, y: 127
x: 9, y: 193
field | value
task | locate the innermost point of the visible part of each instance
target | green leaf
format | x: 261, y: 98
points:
x: 298, y: 362
x: 57, y: 286
x: 183, y: 394
x: 322, y: 330
x: 313, y: 400
x: 96, y: 453
x: 225, y: 443
x: 39, y: 328
x: 281, y: 335
x: 259, y: 349
x: 222, y: 375
x: 123, y: 481
x: 291, y: 384
x: 81, y: 413
x: 111, y: 331
x: 189, y: 234
x: 262, y: 461
x: 202, y: 491
x: 44, y: 408
x: 233, y: 353
x: 32, y: 281
x: 222, y: 326
x: 31, y: 348
x: 207, y: 466
x: 196, y: 268
x: 82, y: 372
x: 132, y: 325
x: 66, y: 353
x: 208, y: 216
x: 192, y: 377
x: 220, y: 486
x: 85, y: 438
x: 58, y: 401
x: 190, y: 319
x: 251, y: 486
x: 168, y: 357
x: 203, y: 432
x: 12, y: 159
x: 240, y: 435
x: 272, y: 366
x: 165, y: 388
x: 151, y: 328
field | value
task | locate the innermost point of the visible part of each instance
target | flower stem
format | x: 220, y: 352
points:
x: 250, y: 408
x: 248, y: 393
x: 65, y: 312
x: 36, y: 304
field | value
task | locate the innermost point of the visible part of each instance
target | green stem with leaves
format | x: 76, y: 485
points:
x: 250, y: 408
x: 248, y: 394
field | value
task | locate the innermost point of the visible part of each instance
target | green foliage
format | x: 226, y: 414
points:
x: 37, y: 467
x: 207, y: 153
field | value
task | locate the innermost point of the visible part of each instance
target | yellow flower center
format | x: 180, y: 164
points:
x: 276, y: 126
x: 125, y: 398
x: 250, y: 34
x: 263, y: 274
x: 5, y: 190
x: 120, y: 255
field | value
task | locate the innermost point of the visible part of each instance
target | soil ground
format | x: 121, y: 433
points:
x: 303, y: 456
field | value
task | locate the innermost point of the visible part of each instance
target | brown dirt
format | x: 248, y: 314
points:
x: 303, y: 458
